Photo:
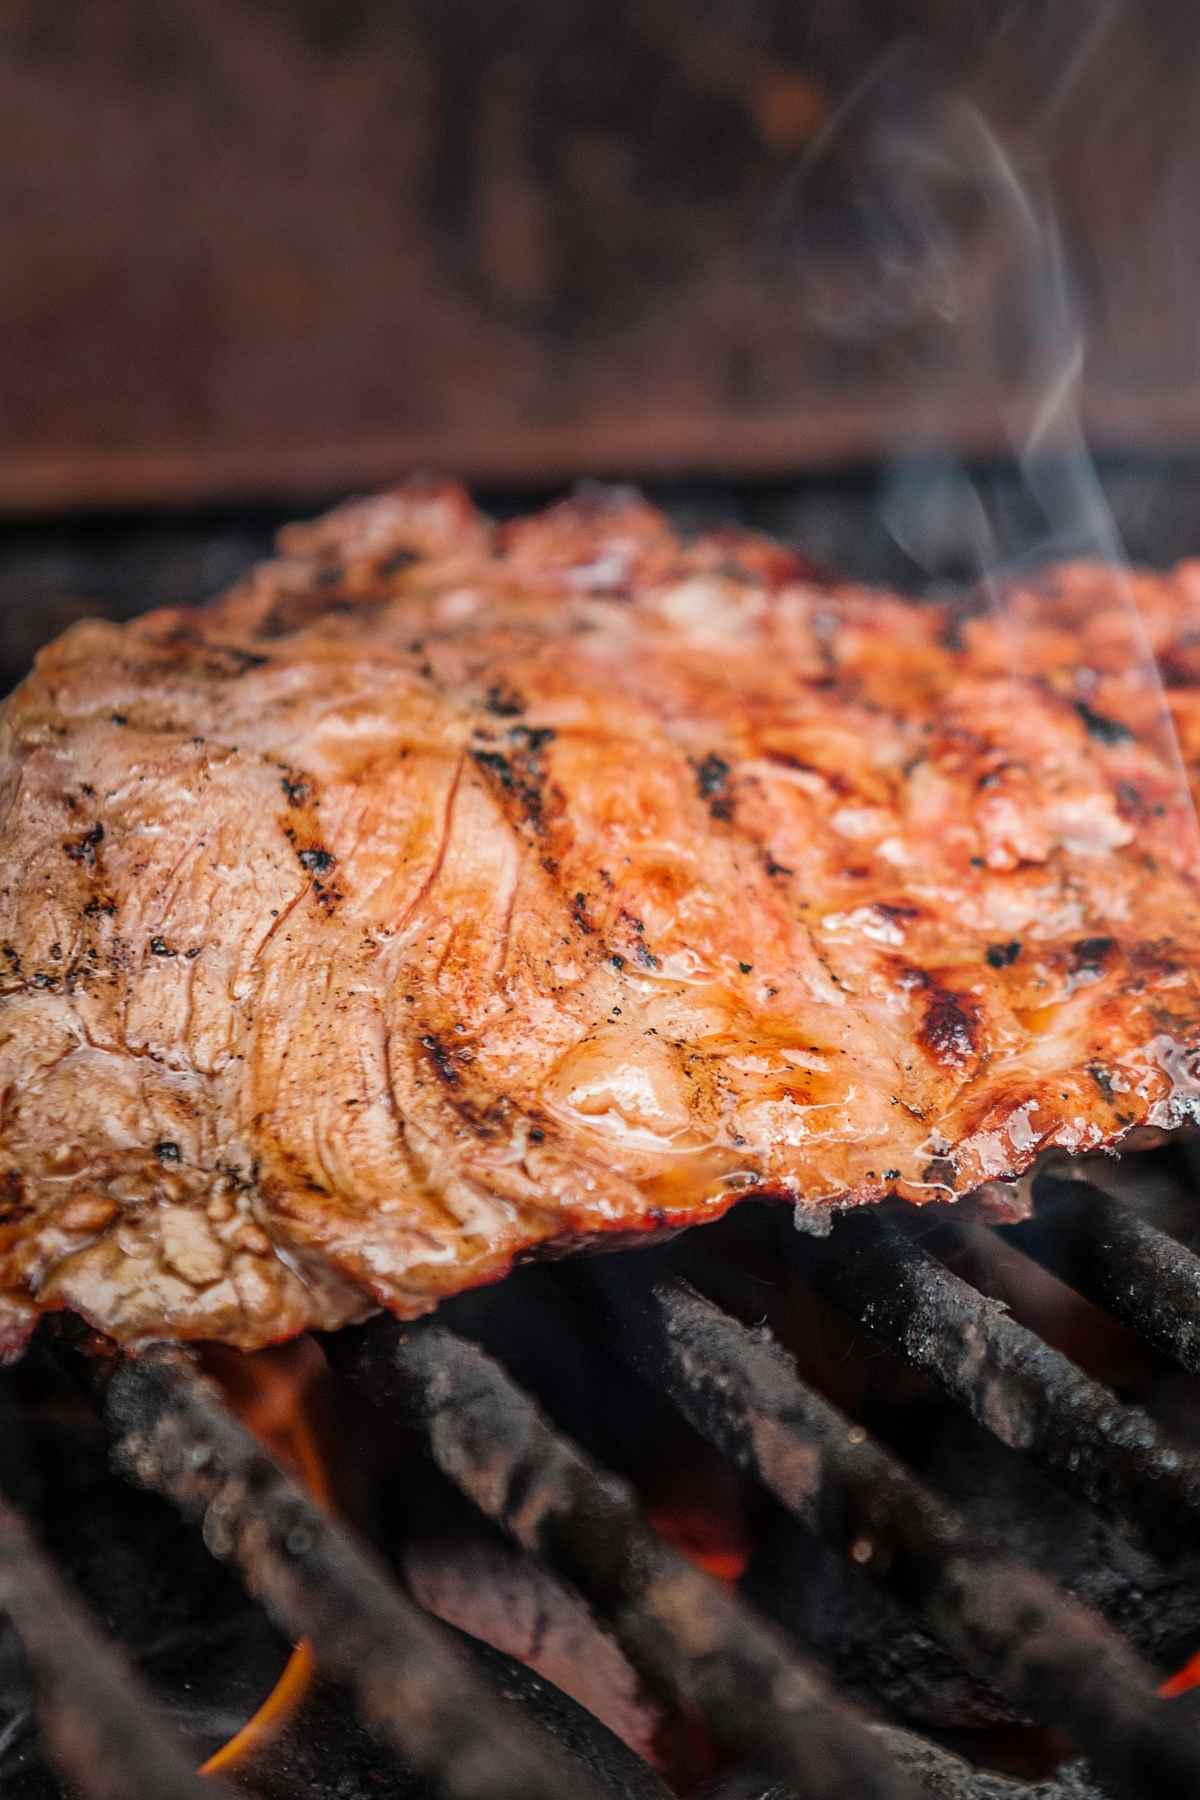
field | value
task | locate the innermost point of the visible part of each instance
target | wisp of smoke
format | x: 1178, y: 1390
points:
x: 912, y: 219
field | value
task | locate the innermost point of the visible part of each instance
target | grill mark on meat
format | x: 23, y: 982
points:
x: 949, y: 1026
x: 442, y: 1060
x: 504, y: 701
x: 1101, y: 727
x: 518, y: 775
x: 83, y: 849
x: 712, y: 781
x: 506, y: 954
x: 1089, y: 956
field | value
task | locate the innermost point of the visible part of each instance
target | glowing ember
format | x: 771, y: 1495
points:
x: 716, y: 1542
x: 272, y: 1392
x: 1183, y: 1680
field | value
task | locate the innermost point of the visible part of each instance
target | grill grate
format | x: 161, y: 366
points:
x: 1125, y: 1264
x: 173, y: 1434
x: 1049, y: 1656
x: 91, y: 1708
x: 1017, y: 1387
x: 679, y: 1626
x: 1057, y: 1662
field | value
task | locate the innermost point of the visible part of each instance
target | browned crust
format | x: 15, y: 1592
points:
x: 449, y: 892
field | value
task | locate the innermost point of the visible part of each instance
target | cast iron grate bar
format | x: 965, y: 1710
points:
x: 1024, y: 1392
x: 1120, y: 1261
x: 174, y: 1434
x: 1057, y: 1661
x: 679, y: 1626
x: 95, y: 1718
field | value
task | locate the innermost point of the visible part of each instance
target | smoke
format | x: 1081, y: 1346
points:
x: 921, y: 226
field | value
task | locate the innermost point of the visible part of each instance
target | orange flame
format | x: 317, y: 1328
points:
x: 714, y: 1541
x: 1183, y: 1680
x: 272, y: 1392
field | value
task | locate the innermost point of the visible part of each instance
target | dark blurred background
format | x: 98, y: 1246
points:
x: 255, y: 255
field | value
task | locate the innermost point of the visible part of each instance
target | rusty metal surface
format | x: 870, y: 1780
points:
x: 253, y: 249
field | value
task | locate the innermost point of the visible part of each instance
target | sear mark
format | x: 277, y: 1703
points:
x: 316, y: 860
x: 83, y: 849
x: 1002, y: 956
x: 1089, y: 956
x: 948, y: 1029
x: 497, y: 765
x: 443, y: 1059
x: 504, y: 701
x: 521, y: 773
x: 712, y: 780
x: 1101, y: 727
x: 1102, y: 1079
x: 533, y: 738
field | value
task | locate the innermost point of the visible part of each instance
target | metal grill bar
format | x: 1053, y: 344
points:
x: 1124, y: 1264
x: 685, y: 1632
x: 173, y: 1434
x: 97, y: 1721
x: 1027, y: 1394
x: 1058, y: 1662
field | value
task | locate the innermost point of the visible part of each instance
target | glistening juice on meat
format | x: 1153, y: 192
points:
x: 450, y: 891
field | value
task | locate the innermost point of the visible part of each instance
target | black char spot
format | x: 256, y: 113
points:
x: 1089, y: 955
x: 505, y: 702
x: 316, y: 861
x: 948, y: 1031
x: 83, y: 849
x: 1101, y: 727
x: 441, y: 1058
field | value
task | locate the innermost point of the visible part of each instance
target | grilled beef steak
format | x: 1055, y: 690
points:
x: 449, y: 890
